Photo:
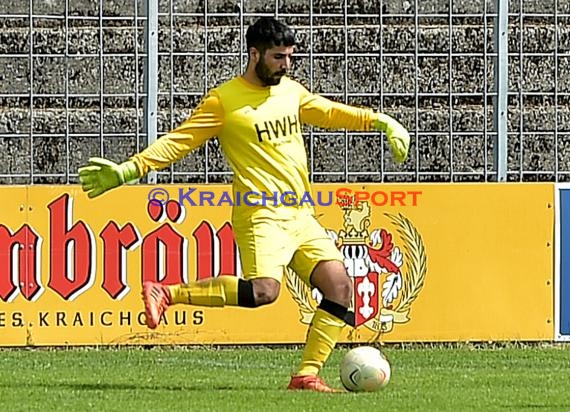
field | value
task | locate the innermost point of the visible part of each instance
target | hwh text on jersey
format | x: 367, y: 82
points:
x: 276, y: 128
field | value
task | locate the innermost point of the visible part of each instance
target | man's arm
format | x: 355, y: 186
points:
x: 319, y: 111
x: 322, y: 112
x: 206, y: 121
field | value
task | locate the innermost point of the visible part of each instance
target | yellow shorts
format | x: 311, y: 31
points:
x: 267, y: 246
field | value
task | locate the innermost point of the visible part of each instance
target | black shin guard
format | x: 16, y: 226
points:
x: 245, y: 294
x: 334, y: 309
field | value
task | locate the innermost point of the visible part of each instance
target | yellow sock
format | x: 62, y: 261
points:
x: 323, y: 335
x: 218, y: 291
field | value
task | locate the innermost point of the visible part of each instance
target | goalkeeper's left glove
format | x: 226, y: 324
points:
x: 101, y: 175
x: 398, y: 136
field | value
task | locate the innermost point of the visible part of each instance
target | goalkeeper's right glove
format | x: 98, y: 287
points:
x: 101, y: 175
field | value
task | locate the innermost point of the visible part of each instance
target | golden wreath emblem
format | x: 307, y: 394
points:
x: 386, y: 279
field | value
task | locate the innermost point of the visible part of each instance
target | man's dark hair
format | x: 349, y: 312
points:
x: 268, y: 32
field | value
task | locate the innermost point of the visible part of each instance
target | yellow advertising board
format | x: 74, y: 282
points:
x: 429, y: 262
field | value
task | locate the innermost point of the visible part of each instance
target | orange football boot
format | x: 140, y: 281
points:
x: 156, y: 299
x: 311, y: 383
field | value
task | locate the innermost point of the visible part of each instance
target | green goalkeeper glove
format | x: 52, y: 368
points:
x: 398, y: 136
x: 101, y: 175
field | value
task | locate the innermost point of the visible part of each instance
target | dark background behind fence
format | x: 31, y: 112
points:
x: 72, y: 84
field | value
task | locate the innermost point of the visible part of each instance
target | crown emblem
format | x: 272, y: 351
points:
x: 356, y: 221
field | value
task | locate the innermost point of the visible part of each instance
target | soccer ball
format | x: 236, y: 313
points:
x: 364, y: 369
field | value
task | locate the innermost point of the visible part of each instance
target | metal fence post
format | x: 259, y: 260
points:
x: 501, y: 89
x: 151, y: 76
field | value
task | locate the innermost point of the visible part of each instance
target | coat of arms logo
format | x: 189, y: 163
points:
x: 387, y: 278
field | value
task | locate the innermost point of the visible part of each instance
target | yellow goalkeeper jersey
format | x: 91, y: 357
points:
x: 260, y: 133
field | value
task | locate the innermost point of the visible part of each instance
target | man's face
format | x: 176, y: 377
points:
x: 274, y: 64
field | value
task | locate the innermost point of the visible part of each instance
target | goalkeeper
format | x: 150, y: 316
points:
x: 257, y: 118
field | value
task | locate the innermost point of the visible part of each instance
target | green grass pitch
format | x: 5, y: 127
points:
x: 458, y: 377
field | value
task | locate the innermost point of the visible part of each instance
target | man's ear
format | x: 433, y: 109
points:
x: 254, y: 55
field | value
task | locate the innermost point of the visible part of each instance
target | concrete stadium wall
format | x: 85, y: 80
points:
x: 69, y: 131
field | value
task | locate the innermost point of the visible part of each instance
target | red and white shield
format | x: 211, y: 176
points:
x: 366, y: 299
x: 365, y: 302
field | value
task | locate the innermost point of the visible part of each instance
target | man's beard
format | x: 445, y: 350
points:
x: 266, y: 76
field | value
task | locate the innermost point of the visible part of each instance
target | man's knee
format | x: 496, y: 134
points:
x: 344, y: 288
x: 257, y: 292
x: 339, y: 290
x: 331, y: 278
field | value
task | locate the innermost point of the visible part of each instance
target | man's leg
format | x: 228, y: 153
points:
x: 326, y: 326
x: 214, y: 292
x: 320, y: 264
x: 329, y: 319
x: 265, y: 249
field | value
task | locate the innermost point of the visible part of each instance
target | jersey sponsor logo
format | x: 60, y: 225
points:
x: 279, y: 128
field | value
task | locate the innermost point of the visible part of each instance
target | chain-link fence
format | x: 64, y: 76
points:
x: 73, y: 83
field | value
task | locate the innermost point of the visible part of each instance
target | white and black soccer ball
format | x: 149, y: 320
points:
x: 365, y: 369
